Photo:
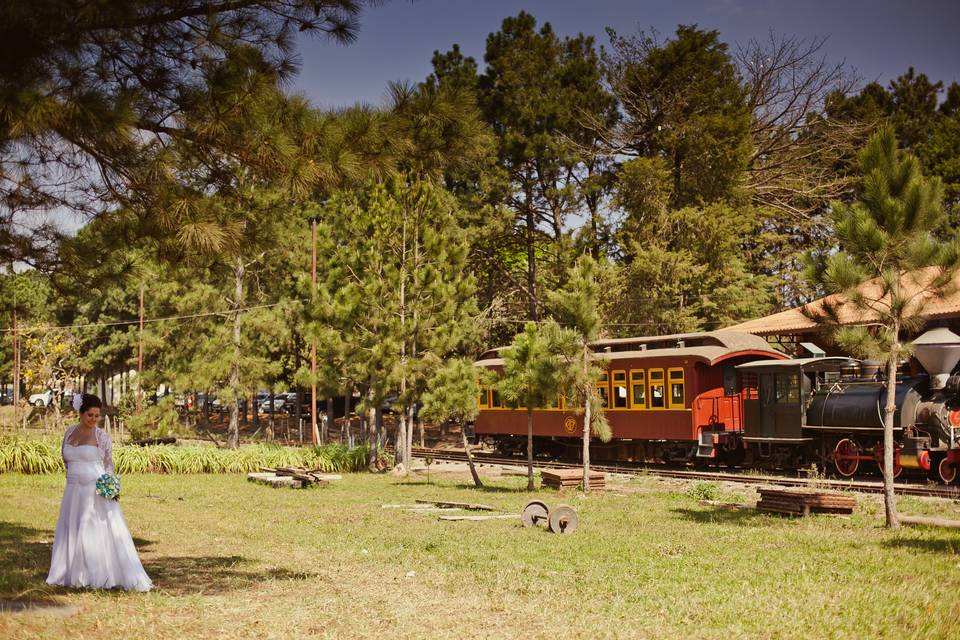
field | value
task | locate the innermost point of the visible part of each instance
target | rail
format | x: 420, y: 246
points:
x: 901, y: 488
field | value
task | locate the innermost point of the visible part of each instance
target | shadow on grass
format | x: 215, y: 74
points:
x: 24, y: 564
x: 24, y: 561
x: 939, y: 545
x: 722, y: 516
x: 185, y: 575
x: 492, y: 488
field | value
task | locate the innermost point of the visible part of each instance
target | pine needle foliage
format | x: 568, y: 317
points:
x: 532, y: 375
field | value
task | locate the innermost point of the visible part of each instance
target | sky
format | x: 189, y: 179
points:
x: 880, y: 39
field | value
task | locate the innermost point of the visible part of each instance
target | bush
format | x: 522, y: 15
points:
x: 21, y: 455
x: 159, y: 420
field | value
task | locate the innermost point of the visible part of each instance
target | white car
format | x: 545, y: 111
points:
x: 41, y: 399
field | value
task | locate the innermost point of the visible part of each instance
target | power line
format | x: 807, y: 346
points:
x: 121, y: 323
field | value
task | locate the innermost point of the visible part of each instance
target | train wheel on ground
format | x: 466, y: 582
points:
x: 535, y: 513
x: 947, y: 471
x: 563, y: 519
x: 845, y: 457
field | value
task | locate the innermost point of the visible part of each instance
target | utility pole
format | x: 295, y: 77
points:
x: 140, y: 359
x: 314, y: 433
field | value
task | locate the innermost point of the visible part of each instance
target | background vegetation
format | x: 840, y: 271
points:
x: 692, y: 175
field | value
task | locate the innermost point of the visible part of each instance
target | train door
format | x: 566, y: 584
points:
x: 768, y: 406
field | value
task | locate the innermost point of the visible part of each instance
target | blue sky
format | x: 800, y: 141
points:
x: 880, y: 39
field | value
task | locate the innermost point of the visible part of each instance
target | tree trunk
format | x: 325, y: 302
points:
x: 466, y: 449
x: 326, y: 425
x: 345, y: 425
x: 586, y: 446
x: 400, y: 439
x: 531, y: 258
x: 409, y: 432
x: 372, y: 432
x: 529, y: 449
x: 889, y: 500
x: 233, y: 431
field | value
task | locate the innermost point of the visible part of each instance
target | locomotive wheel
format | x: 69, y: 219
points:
x: 534, y: 513
x: 947, y: 471
x: 845, y: 457
x: 563, y: 519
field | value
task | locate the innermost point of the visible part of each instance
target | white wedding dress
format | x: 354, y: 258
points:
x: 92, y: 546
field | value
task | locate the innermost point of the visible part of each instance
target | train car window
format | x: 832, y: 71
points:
x: 657, y: 396
x: 638, y: 384
x: 620, y: 390
x: 749, y: 383
x: 495, y: 402
x: 729, y: 379
x: 788, y: 388
x: 603, y: 389
x: 676, y: 388
x: 484, y: 399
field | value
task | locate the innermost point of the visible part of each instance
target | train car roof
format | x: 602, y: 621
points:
x: 709, y: 346
x: 832, y: 363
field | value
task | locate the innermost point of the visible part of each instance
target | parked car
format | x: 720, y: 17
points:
x: 219, y: 405
x: 42, y: 399
x: 6, y: 398
x: 263, y: 402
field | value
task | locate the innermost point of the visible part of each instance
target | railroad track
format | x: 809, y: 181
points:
x: 901, y: 488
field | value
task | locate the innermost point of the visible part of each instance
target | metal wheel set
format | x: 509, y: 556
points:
x: 560, y: 519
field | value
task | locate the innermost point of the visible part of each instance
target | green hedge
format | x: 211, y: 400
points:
x: 24, y: 455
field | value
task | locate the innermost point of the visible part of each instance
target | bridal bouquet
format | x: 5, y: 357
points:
x: 108, y: 486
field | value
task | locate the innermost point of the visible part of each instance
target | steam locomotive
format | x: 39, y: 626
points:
x: 728, y: 398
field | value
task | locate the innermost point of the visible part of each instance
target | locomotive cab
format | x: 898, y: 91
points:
x: 777, y: 395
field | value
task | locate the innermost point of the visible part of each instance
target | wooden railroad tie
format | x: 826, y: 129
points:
x: 293, y: 477
x: 564, y: 478
x: 803, y: 502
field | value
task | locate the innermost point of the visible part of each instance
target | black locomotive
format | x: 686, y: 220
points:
x: 830, y: 410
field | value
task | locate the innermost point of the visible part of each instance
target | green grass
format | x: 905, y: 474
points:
x: 234, y: 559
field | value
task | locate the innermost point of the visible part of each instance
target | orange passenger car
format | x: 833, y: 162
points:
x: 666, y: 397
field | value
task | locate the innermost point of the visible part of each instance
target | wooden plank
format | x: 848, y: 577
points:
x: 460, y: 505
x: 932, y: 522
x: 725, y: 506
x: 504, y: 516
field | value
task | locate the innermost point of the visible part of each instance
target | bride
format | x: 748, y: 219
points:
x: 92, y: 546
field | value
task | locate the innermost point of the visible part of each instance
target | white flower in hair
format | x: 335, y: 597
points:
x: 77, y: 401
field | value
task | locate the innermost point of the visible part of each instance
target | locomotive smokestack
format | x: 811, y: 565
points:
x: 938, y: 350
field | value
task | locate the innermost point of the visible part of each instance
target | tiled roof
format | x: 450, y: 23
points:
x: 794, y: 321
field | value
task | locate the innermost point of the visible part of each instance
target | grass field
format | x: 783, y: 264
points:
x: 238, y: 560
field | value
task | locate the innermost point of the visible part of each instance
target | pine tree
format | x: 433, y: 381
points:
x: 112, y: 87
x: 532, y: 375
x: 451, y: 394
x: 395, y: 287
x: 888, y: 266
x: 577, y: 305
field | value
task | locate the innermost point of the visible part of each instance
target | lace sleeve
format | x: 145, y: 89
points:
x: 106, y: 448
x: 63, y: 445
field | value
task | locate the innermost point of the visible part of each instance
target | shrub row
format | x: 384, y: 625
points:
x: 22, y: 455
